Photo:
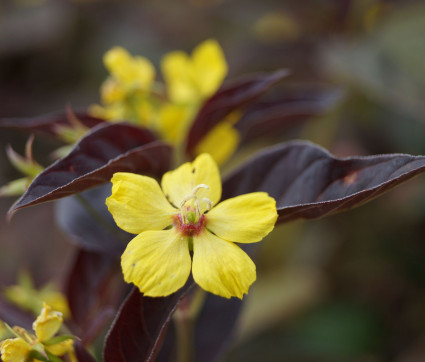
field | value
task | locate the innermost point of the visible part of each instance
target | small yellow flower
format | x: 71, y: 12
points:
x: 47, y: 323
x: 14, y: 350
x: 27, y: 297
x: 183, y: 217
x: 127, y: 71
x: 44, y: 343
x: 192, y: 79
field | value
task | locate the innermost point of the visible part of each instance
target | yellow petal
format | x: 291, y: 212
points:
x: 178, y: 74
x: 14, y: 350
x: 210, y: 67
x: 244, y: 219
x: 111, y: 91
x: 221, y: 267
x: 223, y: 135
x: 179, y: 183
x: 130, y: 71
x: 138, y: 204
x: 157, y: 262
x: 174, y: 120
x: 47, y: 323
x: 61, y: 348
x: 57, y: 301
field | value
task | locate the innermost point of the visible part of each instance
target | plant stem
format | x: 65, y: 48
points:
x: 185, y: 317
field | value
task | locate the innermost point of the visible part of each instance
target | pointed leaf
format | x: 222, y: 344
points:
x: 229, y: 98
x: 291, y: 108
x: 94, y: 285
x: 88, y: 223
x: 48, y: 123
x: 140, y: 326
x: 94, y: 159
x: 308, y: 182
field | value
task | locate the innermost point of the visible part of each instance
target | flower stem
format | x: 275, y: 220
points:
x: 185, y: 318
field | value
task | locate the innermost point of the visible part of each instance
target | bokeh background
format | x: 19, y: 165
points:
x: 349, y: 287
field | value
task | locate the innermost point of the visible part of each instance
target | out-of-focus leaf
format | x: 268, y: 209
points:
x: 14, y: 316
x: 87, y: 221
x: 212, y: 330
x: 268, y: 118
x: 48, y: 123
x: 93, y: 161
x: 87, y: 285
x: 229, y: 98
x: 215, y: 327
x: 81, y: 353
x: 147, y: 320
x: 308, y: 182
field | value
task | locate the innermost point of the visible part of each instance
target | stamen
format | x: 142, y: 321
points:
x: 193, y: 213
x: 208, y: 202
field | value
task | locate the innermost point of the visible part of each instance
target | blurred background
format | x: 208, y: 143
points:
x: 349, y: 287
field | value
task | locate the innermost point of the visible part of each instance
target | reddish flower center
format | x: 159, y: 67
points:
x: 189, y: 228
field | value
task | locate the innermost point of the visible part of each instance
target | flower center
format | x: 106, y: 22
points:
x: 191, y: 219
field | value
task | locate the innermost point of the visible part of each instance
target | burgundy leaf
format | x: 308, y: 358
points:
x: 139, y: 328
x: 93, y: 287
x: 15, y: 316
x: 81, y: 353
x: 308, y: 182
x: 88, y: 223
x: 48, y: 123
x: 271, y: 118
x: 106, y: 149
x: 228, y: 99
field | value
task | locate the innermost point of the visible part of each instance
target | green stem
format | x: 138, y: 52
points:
x: 184, y: 318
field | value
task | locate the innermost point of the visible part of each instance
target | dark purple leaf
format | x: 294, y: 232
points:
x: 48, y: 123
x: 291, y: 108
x: 81, y: 353
x: 88, y: 223
x: 94, y: 288
x: 308, y: 182
x: 106, y: 149
x: 140, y: 326
x: 15, y: 316
x: 228, y: 99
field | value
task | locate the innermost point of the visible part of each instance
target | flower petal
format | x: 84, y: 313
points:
x: 138, y: 204
x: 157, y: 262
x: 13, y: 350
x: 210, y: 67
x: 174, y: 120
x: 221, y: 267
x: 177, y: 70
x: 223, y: 134
x: 179, y: 183
x: 244, y: 219
x: 129, y: 71
x: 47, y: 323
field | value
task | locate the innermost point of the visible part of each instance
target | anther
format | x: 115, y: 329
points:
x: 208, y: 202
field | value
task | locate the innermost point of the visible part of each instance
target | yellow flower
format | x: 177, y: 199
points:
x: 43, y: 343
x: 14, y: 350
x: 183, y: 217
x: 47, y: 323
x: 127, y: 72
x: 195, y: 78
x: 26, y: 296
